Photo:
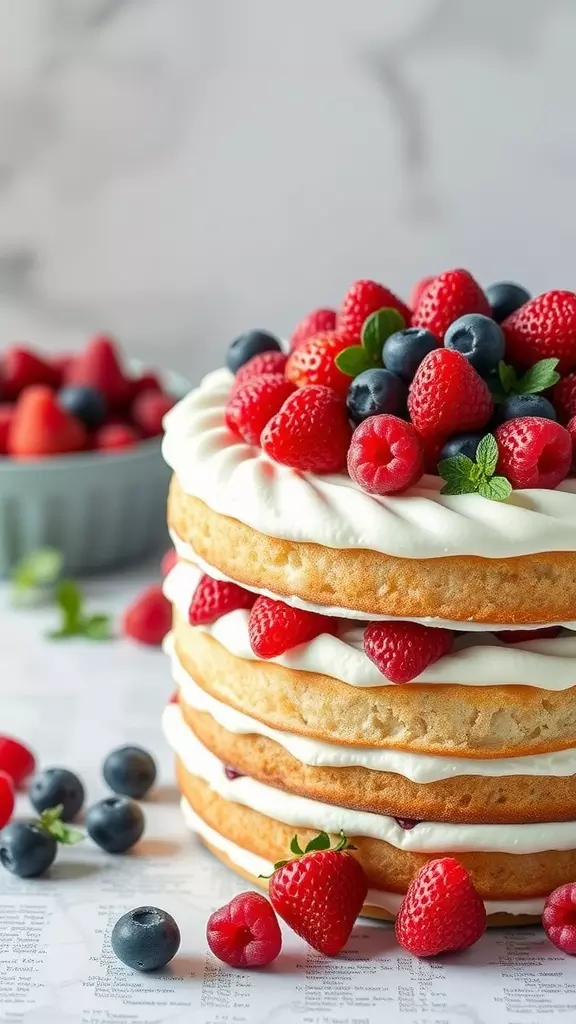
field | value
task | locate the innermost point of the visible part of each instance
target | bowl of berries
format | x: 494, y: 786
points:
x: 80, y: 462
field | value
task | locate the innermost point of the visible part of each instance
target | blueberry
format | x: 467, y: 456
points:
x: 146, y: 938
x: 115, y: 823
x: 26, y: 850
x: 525, y: 405
x: 87, y: 404
x: 404, y: 351
x: 376, y: 391
x: 478, y: 338
x: 130, y: 771
x: 57, y: 786
x: 250, y: 344
x: 461, y: 444
x: 504, y: 298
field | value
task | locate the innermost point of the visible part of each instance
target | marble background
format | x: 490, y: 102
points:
x: 179, y: 170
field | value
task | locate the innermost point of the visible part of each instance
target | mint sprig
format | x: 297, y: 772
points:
x: 36, y: 574
x: 74, y: 620
x: 539, y: 377
x: 50, y: 821
x: 375, y: 330
x: 465, y: 476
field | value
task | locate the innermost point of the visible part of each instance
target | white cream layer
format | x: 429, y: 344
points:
x: 421, y: 768
x: 240, y: 481
x: 390, y: 901
x: 477, y: 659
x: 301, y: 812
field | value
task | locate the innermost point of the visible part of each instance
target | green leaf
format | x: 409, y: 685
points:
x: 69, y: 600
x: 539, y: 377
x: 487, y: 454
x: 98, y: 627
x: 295, y: 847
x: 459, y: 487
x: 320, y: 842
x: 51, y: 821
x: 377, y: 328
x: 459, y: 467
x: 498, y: 488
x: 36, y: 571
x: 508, y: 377
x: 353, y: 360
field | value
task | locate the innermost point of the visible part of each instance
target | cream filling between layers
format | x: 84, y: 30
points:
x: 390, y: 901
x: 301, y: 812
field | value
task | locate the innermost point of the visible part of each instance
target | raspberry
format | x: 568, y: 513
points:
x: 168, y: 562
x: 418, y: 290
x: 16, y: 760
x: 385, y: 455
x: 274, y: 627
x: 519, y: 636
x: 542, y: 328
x: 316, y: 321
x: 402, y: 650
x: 559, y: 918
x: 99, y: 367
x: 441, y: 912
x: 310, y: 432
x: 448, y: 396
x: 245, y: 932
x: 533, y: 452
x: 266, y: 362
x: 115, y: 436
x: 149, y: 617
x: 214, y: 598
x: 255, y: 403
x: 564, y: 398
x: 313, y: 362
x: 6, y: 415
x: 6, y: 798
x: 22, y: 368
x: 40, y: 427
x: 361, y: 300
x: 446, y: 298
x: 149, y: 409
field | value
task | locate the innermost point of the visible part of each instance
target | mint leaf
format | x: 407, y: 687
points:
x: 377, y: 328
x: 487, y: 454
x: 295, y: 847
x: 459, y: 487
x: 320, y: 842
x: 353, y: 360
x: 458, y: 468
x: 508, y: 377
x: 38, y: 570
x: 51, y: 821
x: 498, y: 488
x: 539, y: 377
x: 74, y: 622
x: 463, y: 476
x: 97, y: 627
x: 69, y: 600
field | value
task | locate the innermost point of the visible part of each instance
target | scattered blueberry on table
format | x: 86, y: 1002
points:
x: 130, y: 771
x: 55, y: 786
x: 146, y: 938
x: 115, y: 823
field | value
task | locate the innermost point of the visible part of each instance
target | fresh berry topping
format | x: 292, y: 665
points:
x: 559, y: 918
x: 149, y: 617
x: 408, y: 823
x: 461, y: 444
x: 311, y: 431
x: 418, y: 290
x: 85, y: 403
x: 404, y: 351
x: 115, y: 823
x: 431, y: 447
x: 516, y: 406
x: 441, y: 912
x: 374, y: 392
x: 571, y: 428
x: 98, y: 366
x: 320, y: 893
x: 266, y: 362
x: 361, y: 300
x: 169, y: 560
x: 533, y: 452
x: 16, y: 760
x: 60, y: 364
x: 254, y: 404
x: 520, y: 636
x: 478, y: 338
x: 447, y: 297
x: 130, y: 771
x: 231, y: 773
x: 149, y: 409
x: 251, y: 344
x: 447, y: 396
x: 145, y: 939
x: 214, y: 598
x: 402, y: 650
x: 147, y: 381
x: 27, y: 850
x: 316, y: 321
x: 6, y: 798
x: 564, y: 398
x: 6, y: 416
x: 40, y: 427
x: 505, y: 298
x: 245, y: 932
x: 313, y: 362
x: 274, y: 627
x: 173, y: 698
x: 22, y: 368
x: 115, y: 437
x: 56, y: 787
x: 385, y: 455
x: 544, y: 328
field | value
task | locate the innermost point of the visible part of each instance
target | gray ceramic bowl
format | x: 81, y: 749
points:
x: 100, y: 510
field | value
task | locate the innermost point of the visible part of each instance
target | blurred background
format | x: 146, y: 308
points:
x: 176, y: 171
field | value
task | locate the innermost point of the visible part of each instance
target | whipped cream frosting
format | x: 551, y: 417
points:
x: 421, y: 768
x: 390, y: 901
x: 240, y: 481
x: 301, y: 812
x: 478, y: 659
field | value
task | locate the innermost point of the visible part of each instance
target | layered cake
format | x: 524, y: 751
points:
x: 375, y: 593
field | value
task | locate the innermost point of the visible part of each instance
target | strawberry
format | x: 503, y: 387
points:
x: 448, y: 396
x: 40, y: 427
x: 6, y: 416
x: 564, y: 398
x: 313, y: 362
x: 214, y: 598
x: 441, y: 912
x: 245, y: 932
x: 402, y: 650
x: 446, y: 298
x: 149, y: 617
x: 22, y: 368
x: 315, y: 322
x: 169, y: 560
x: 254, y: 403
x: 571, y: 428
x: 60, y: 364
x: 149, y: 409
x: 533, y: 452
x: 385, y: 455
x: 16, y: 760
x: 265, y: 362
x: 274, y: 627
x: 115, y: 437
x: 543, y: 328
x: 98, y: 365
x: 147, y: 381
x: 6, y: 798
x: 320, y: 893
x: 310, y: 432
x: 361, y: 300
x: 418, y: 289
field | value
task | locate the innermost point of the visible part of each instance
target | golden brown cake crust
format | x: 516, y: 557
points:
x: 528, y: 589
